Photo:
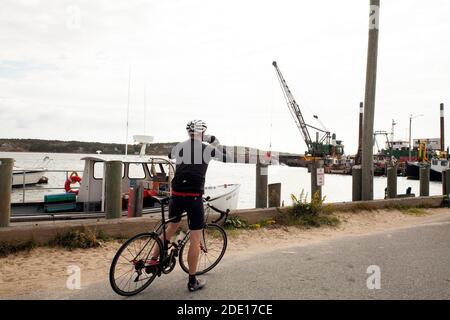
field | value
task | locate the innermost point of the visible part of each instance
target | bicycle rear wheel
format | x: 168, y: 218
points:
x: 131, y: 271
x: 212, y: 249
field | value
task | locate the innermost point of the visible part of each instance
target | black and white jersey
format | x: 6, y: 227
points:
x: 192, y: 159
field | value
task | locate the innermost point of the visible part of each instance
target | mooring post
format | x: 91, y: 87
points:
x: 136, y: 200
x: 424, y: 176
x: 392, y: 182
x: 6, y: 171
x: 274, y: 195
x: 369, y: 103
x: 113, y: 189
x: 316, y: 184
x: 139, y: 199
x: 262, y: 173
x: 446, y: 182
x: 356, y: 183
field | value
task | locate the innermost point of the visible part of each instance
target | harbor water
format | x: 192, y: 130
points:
x: 294, y: 180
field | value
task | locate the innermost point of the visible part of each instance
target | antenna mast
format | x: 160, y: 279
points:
x: 128, y: 109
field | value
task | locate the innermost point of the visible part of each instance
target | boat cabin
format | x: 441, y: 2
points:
x: 155, y: 173
x: 439, y: 164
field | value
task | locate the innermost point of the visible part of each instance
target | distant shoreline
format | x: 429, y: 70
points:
x: 77, y: 147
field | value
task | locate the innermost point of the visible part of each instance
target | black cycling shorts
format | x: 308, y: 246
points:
x: 194, y: 208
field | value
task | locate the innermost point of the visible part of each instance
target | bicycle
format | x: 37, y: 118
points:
x: 141, y: 271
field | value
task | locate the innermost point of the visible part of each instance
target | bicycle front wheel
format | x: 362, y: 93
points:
x: 131, y: 269
x: 212, y: 249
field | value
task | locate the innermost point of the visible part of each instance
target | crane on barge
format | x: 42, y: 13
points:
x: 323, y: 146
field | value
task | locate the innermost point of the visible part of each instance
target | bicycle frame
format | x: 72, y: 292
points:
x: 169, y: 251
x: 164, y: 222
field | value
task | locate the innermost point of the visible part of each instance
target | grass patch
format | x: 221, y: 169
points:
x: 309, y: 221
x: 7, y: 248
x: 233, y: 233
x: 237, y: 223
x: 414, y: 211
x: 75, y: 239
x: 305, y: 214
x: 357, y: 207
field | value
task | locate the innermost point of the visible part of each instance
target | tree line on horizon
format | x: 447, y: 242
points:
x: 58, y: 146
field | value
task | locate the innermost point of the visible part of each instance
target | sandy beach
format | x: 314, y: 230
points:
x: 46, y: 268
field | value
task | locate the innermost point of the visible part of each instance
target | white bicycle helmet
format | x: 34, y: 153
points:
x: 196, y: 127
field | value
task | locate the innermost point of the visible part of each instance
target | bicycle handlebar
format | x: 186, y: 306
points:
x: 222, y: 213
x: 164, y: 201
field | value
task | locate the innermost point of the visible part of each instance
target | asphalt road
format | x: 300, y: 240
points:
x: 414, y: 263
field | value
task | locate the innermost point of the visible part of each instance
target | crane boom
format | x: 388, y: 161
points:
x: 294, y: 108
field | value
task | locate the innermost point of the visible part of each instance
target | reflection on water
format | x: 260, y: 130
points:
x: 293, y: 180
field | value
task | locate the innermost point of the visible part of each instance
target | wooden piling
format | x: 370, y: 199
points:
x: 274, y: 195
x: 446, y: 182
x: 6, y: 171
x: 424, y: 176
x: 113, y: 189
x: 392, y: 182
x: 262, y: 172
x: 316, y: 187
x: 356, y: 183
x: 136, y: 200
x: 139, y: 204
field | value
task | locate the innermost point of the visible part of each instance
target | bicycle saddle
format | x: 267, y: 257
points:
x: 163, y: 200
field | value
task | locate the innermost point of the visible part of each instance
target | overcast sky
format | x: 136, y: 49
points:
x: 64, y: 68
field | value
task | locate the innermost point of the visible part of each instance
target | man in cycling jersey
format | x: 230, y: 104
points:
x: 192, y: 158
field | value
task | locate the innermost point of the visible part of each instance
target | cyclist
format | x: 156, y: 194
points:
x: 192, y: 159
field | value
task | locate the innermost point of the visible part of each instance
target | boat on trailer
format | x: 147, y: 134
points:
x: 154, y: 173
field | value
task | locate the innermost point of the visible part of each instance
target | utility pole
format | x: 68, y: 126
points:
x: 442, y: 129
x: 128, y: 110
x: 410, y: 120
x: 369, y: 103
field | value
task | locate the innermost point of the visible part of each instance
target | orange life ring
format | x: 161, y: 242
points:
x: 73, y: 178
x: 153, y: 191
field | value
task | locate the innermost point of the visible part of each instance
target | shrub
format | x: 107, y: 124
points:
x: 76, y: 239
x: 7, y: 248
x: 235, y: 222
x: 308, y: 214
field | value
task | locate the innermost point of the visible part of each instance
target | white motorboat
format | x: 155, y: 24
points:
x: 223, y: 197
x: 30, y: 176
x: 155, y: 175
